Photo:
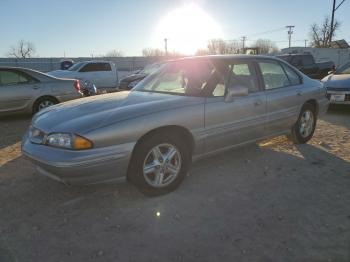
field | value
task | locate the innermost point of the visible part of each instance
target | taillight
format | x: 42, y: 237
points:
x: 77, y: 85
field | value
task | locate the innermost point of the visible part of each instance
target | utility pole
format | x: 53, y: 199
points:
x: 244, y: 38
x: 332, y: 19
x: 290, y: 32
x: 166, y: 46
x: 305, y: 42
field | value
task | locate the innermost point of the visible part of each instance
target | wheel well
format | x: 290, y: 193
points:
x: 182, y: 132
x: 173, y: 129
x: 314, y: 103
x: 42, y: 97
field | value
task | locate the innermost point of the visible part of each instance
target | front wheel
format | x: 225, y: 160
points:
x: 304, y: 128
x: 42, y: 103
x: 159, y: 164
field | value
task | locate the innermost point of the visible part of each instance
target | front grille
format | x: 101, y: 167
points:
x: 347, y: 97
x: 36, y: 136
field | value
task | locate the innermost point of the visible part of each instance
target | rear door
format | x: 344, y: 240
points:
x: 283, y: 90
x: 239, y: 121
x: 16, y: 89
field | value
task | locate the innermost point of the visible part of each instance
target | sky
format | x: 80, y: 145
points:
x: 94, y: 27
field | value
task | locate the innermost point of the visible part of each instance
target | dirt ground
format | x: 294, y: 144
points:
x: 267, y: 202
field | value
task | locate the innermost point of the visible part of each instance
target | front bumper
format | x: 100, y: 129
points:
x: 99, y: 165
x: 333, y: 93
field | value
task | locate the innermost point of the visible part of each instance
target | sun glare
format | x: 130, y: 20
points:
x: 187, y: 29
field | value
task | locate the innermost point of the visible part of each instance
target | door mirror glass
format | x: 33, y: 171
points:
x: 235, y: 91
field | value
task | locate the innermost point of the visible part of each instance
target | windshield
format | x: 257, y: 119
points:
x: 75, y: 67
x: 344, y: 69
x: 185, y: 77
x: 150, y: 69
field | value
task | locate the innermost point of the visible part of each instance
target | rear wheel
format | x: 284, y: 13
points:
x: 304, y: 128
x: 43, y: 102
x: 159, y: 164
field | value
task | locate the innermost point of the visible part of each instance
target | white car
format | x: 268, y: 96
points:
x: 102, y: 74
x: 338, y: 85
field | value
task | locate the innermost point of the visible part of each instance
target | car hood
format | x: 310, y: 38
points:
x: 62, y: 73
x: 133, y: 77
x: 83, y: 115
x: 338, y: 81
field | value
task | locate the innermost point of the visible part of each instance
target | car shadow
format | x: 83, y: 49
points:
x: 12, y: 128
x: 287, y: 190
x: 338, y: 115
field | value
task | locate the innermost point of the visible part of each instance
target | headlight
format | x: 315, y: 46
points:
x: 69, y: 141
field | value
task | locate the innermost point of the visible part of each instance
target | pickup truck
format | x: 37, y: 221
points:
x: 102, y: 74
x: 306, y: 64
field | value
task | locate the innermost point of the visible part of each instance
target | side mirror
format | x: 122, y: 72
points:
x: 331, y: 72
x: 235, y: 91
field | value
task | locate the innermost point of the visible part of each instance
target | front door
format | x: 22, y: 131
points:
x: 239, y: 121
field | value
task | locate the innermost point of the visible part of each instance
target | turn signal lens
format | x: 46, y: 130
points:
x: 80, y: 143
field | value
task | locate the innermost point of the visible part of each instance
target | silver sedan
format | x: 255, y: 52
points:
x: 28, y: 91
x: 189, y: 109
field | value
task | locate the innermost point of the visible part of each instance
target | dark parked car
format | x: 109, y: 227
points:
x: 306, y: 64
x: 131, y: 81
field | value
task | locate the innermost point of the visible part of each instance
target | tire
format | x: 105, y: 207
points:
x: 303, y: 129
x: 157, y: 177
x: 43, y: 102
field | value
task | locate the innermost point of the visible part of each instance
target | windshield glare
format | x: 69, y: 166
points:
x: 344, y: 69
x: 75, y: 67
x: 150, y: 69
x: 179, y: 77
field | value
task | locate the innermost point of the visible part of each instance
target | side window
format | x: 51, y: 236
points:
x: 308, y: 60
x: 297, y: 61
x: 96, y: 67
x: 103, y: 67
x: 293, y: 77
x: 243, y: 74
x: 14, y: 78
x: 273, y: 75
x: 88, y: 68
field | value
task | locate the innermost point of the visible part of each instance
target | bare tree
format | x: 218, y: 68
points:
x: 152, y: 52
x: 23, y: 49
x: 265, y: 46
x: 219, y: 47
x: 321, y: 35
x: 114, y: 53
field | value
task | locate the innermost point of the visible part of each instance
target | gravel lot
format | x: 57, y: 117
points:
x: 272, y: 201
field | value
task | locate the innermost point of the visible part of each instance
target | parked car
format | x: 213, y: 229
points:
x: 306, y: 64
x: 28, y: 91
x: 130, y: 81
x: 189, y: 109
x: 102, y: 74
x: 338, y: 85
